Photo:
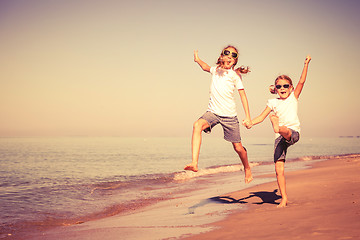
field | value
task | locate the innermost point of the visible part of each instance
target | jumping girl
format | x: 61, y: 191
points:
x: 222, y: 107
x: 285, y: 122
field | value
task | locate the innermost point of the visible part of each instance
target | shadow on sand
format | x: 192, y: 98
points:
x: 263, y: 197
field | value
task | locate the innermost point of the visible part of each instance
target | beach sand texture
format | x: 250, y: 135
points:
x: 324, y: 203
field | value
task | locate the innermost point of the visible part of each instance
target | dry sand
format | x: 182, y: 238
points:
x: 324, y: 203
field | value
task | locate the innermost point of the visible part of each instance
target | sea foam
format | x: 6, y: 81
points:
x: 186, y: 175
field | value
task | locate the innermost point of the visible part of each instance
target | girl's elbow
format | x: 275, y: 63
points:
x: 206, y: 68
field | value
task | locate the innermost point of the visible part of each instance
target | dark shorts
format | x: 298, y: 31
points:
x: 281, y: 145
x: 230, y: 126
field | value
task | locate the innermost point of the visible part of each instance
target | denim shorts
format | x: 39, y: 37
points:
x: 281, y: 145
x: 230, y: 126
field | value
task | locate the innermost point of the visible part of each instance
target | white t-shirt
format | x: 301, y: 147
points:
x: 223, y: 85
x: 286, y: 110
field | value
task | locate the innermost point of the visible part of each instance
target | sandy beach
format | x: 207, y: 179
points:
x: 323, y: 204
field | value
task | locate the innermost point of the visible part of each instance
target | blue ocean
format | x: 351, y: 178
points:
x: 50, y: 182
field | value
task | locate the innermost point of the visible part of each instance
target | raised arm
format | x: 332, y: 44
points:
x: 301, y: 82
x: 202, y: 64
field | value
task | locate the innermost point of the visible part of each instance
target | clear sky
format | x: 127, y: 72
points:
x: 125, y: 68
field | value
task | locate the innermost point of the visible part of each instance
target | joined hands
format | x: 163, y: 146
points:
x: 247, y: 123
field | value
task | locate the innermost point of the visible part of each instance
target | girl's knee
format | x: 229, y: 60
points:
x: 239, y: 148
x: 196, y: 124
x: 285, y: 132
x: 279, y: 167
x: 199, y: 125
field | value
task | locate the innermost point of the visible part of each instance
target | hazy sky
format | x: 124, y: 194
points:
x: 125, y: 68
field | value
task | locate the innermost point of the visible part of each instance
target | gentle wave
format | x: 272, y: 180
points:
x: 186, y: 175
x: 113, y: 195
x: 326, y: 157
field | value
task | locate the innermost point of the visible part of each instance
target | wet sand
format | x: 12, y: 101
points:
x: 323, y: 204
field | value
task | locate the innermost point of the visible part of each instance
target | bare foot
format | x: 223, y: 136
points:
x: 275, y: 122
x: 283, y: 203
x: 248, y: 175
x: 191, y: 167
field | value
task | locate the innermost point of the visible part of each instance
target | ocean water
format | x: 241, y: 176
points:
x: 49, y: 182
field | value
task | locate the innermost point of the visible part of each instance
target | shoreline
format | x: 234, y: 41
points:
x: 208, y: 213
x: 323, y: 204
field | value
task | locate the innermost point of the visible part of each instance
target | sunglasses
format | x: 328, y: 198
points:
x: 285, y: 86
x: 233, y: 54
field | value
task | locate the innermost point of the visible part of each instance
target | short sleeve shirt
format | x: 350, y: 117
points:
x: 224, y: 82
x: 286, y: 110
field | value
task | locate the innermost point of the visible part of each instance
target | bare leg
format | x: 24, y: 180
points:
x: 239, y: 149
x: 282, y: 130
x: 198, y: 127
x: 275, y: 122
x: 280, y: 175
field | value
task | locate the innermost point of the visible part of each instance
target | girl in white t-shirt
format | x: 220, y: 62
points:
x: 285, y: 122
x: 222, y: 108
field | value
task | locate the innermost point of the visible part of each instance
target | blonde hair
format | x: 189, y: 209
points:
x: 281, y: 77
x: 242, y: 69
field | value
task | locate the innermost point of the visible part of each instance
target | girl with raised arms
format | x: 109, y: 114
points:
x: 222, y: 108
x: 285, y: 121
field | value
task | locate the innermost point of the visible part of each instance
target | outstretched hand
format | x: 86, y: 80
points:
x: 308, y: 59
x: 196, y: 56
x: 202, y: 64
